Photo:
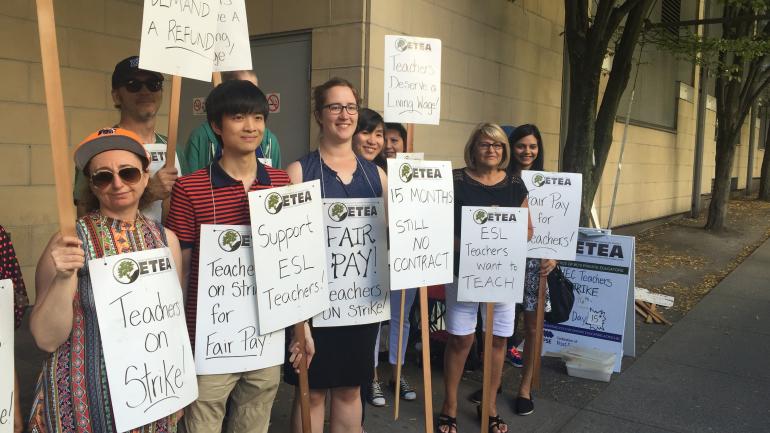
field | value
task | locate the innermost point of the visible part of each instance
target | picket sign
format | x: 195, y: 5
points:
x: 412, y: 80
x: 227, y: 334
x: 147, y: 353
x: 158, y: 159
x: 6, y: 357
x: 356, y: 262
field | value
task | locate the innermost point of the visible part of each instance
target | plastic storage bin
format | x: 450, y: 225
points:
x: 589, y: 363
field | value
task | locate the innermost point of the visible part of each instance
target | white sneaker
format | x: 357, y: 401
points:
x: 375, y: 396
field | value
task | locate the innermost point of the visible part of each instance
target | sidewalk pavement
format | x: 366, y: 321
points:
x: 709, y: 373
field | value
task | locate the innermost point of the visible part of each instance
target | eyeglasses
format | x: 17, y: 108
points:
x: 486, y: 146
x: 103, y: 178
x: 153, y: 85
x: 337, y: 108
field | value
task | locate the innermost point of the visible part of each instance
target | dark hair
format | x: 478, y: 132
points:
x: 319, y: 94
x: 368, y: 120
x: 401, y: 131
x: 236, y: 75
x: 235, y: 97
x: 519, y: 133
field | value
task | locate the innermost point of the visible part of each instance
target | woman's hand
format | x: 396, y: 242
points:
x: 67, y: 254
x: 547, y: 265
x: 296, y: 350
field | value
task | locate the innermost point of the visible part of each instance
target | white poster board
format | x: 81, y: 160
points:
x: 412, y: 79
x: 410, y: 155
x: 227, y: 337
x: 356, y: 262
x: 179, y: 38
x: 289, y: 255
x: 232, y: 51
x: 493, y: 254
x: 554, y: 204
x: 421, y: 223
x: 6, y: 356
x: 147, y: 354
x: 157, y: 160
x: 603, y: 277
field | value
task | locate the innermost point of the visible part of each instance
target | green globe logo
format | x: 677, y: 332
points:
x: 405, y: 173
x: 126, y: 271
x: 273, y: 203
x: 538, y: 180
x: 480, y: 216
x: 229, y: 240
x: 401, y: 44
x: 338, y: 212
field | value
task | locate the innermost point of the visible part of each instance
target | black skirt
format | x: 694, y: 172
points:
x: 344, y: 357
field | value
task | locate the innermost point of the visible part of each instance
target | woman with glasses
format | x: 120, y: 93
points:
x: 344, y: 355
x: 73, y: 392
x: 483, y: 182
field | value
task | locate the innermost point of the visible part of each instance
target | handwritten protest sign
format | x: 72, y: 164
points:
x: 603, y: 278
x: 180, y: 37
x: 412, y: 79
x: 356, y: 262
x: 289, y: 254
x: 6, y: 356
x: 157, y: 161
x: 493, y: 254
x: 421, y: 220
x: 227, y: 337
x: 150, y: 367
x: 232, y: 51
x: 410, y: 155
x: 554, y: 203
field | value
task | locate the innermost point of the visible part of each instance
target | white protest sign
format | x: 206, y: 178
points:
x: 653, y: 298
x: 157, y: 160
x: 356, y: 262
x: 410, y: 155
x: 179, y: 37
x: 289, y: 255
x: 554, y: 203
x: 6, y: 356
x: 232, y: 51
x: 227, y: 337
x: 421, y: 223
x: 493, y: 254
x: 147, y: 354
x: 603, y: 278
x: 412, y: 79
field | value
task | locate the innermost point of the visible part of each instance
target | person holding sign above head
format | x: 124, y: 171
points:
x: 527, y: 154
x: 203, y: 145
x: 483, y: 182
x: 345, y: 354
x: 217, y: 194
x: 137, y: 93
x: 73, y: 393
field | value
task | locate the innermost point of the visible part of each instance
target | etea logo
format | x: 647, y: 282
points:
x: 403, y: 45
x: 229, y: 240
x: 274, y: 202
x: 406, y: 172
x: 540, y: 179
x: 610, y: 251
x: 480, y: 216
x: 126, y: 271
x: 338, y: 211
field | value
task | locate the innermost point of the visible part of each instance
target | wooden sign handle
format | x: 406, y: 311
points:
x: 57, y: 126
x: 486, y: 388
x: 304, y: 386
x: 173, y: 132
x: 410, y: 137
x: 216, y: 78
x: 426, y: 371
x: 400, y: 354
x: 535, y: 357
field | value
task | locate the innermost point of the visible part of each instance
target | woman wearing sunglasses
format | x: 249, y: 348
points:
x: 72, y: 391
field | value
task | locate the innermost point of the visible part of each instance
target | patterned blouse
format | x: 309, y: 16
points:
x: 73, y: 395
x: 9, y: 269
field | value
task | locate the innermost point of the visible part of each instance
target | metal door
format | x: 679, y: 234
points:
x: 282, y: 64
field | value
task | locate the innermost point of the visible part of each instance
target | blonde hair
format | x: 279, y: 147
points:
x: 494, y: 132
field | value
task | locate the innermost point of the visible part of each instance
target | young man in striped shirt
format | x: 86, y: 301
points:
x: 217, y: 194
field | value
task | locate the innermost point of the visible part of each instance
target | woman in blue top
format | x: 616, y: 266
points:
x: 344, y: 355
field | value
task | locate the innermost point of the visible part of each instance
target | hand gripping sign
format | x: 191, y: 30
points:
x: 147, y: 354
x: 227, y: 336
x: 356, y: 262
x: 6, y: 356
x: 289, y: 255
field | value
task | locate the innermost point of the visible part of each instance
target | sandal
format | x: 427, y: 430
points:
x: 495, y: 422
x: 447, y: 421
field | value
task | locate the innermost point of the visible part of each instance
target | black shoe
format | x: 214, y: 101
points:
x: 479, y: 393
x: 524, y: 406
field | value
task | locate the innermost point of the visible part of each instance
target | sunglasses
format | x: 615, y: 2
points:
x: 103, y: 178
x: 153, y: 85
